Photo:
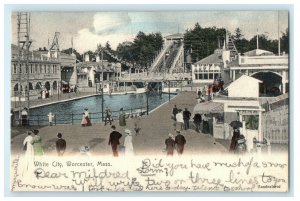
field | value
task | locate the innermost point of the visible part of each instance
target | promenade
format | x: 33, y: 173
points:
x: 151, y: 141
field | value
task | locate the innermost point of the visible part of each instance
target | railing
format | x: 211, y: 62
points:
x: 76, y: 118
x: 159, y: 57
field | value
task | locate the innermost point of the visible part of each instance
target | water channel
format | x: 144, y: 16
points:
x: 71, y: 111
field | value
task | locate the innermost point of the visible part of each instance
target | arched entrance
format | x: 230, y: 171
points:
x: 271, y: 85
x: 54, y: 85
x: 47, y: 85
x: 30, y: 86
x: 38, y: 85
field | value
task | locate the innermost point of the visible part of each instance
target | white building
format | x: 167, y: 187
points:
x: 241, y: 104
x: 208, y: 69
x: 263, y: 65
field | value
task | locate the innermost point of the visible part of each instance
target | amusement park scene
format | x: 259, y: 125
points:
x: 139, y: 83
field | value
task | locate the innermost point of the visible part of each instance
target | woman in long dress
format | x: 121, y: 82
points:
x: 128, y: 143
x: 37, y: 144
x: 29, y: 152
x: 122, y: 118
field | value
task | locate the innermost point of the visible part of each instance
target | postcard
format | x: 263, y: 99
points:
x: 160, y: 101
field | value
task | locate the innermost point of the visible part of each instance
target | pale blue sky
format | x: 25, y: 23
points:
x: 90, y: 28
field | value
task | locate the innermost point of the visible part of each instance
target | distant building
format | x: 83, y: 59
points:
x: 101, y: 72
x: 208, y: 69
x: 271, y: 69
x: 41, y: 77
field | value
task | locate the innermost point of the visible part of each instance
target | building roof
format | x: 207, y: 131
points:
x: 242, y: 79
x: 214, y: 58
x: 209, y: 107
x: 175, y: 36
x: 258, y: 52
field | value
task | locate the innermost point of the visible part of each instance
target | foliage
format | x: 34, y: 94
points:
x: 69, y: 51
x: 201, y: 42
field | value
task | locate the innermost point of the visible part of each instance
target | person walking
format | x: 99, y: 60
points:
x: 179, y: 119
x: 107, y: 116
x: 175, y: 111
x: 87, y: 117
x: 197, y: 121
x: 27, y: 145
x: 170, y: 145
x: 29, y: 153
x: 50, y: 118
x: 60, y: 145
x: 83, y: 121
x: 137, y: 126
x: 205, y: 129
x: 12, y: 118
x: 122, y: 118
x: 37, y: 144
x: 234, y: 139
x: 186, y: 118
x: 180, y: 142
x: 113, y: 141
x: 24, y: 116
x: 128, y: 143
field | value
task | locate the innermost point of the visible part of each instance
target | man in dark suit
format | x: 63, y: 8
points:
x: 186, y: 118
x: 114, y: 138
x: 60, y: 145
x: 179, y: 142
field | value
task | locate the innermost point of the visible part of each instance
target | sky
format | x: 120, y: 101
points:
x: 89, y: 28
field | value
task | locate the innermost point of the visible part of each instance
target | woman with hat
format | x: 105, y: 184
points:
x: 170, y: 144
x: 27, y: 145
x: 37, y: 144
x: 128, y: 143
x: 87, y: 117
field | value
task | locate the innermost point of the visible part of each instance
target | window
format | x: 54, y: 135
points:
x: 31, y: 70
x: 41, y: 68
x: 211, y: 76
x: 36, y: 68
x: 45, y: 69
x: 53, y: 69
x: 205, y: 76
x: 15, y: 68
x: 200, y: 77
x: 20, y: 68
x: 49, y: 69
x: 26, y: 69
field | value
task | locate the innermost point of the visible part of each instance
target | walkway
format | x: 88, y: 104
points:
x: 155, y: 129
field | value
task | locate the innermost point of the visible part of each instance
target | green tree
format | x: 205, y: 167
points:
x: 200, y: 42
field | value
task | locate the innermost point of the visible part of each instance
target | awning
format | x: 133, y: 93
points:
x: 209, y: 107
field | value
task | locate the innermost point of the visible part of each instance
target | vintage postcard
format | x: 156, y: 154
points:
x: 160, y: 101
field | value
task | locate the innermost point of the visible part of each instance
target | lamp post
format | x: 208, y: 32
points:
x: 147, y: 95
x: 169, y: 90
x: 102, y: 102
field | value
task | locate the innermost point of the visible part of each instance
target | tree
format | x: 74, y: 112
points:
x: 284, y: 41
x: 70, y: 50
x: 201, y: 42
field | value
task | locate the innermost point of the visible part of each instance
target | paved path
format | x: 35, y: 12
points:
x: 155, y: 129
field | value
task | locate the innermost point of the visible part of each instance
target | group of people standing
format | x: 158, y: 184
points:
x: 32, y: 145
x: 175, y: 143
x: 114, y: 141
x: 86, y: 118
x: 182, y: 118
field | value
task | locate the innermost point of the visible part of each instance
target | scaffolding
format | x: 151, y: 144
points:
x: 24, y: 42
